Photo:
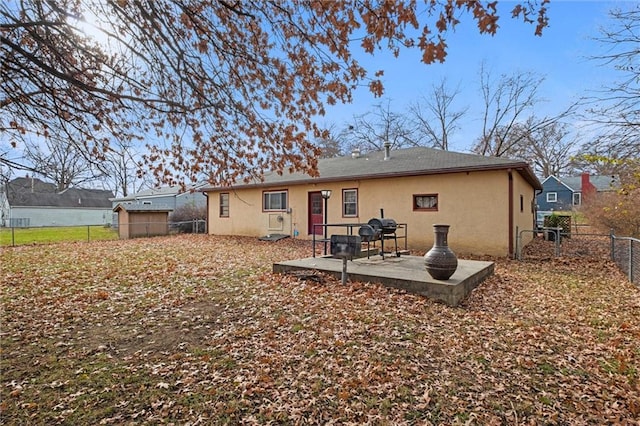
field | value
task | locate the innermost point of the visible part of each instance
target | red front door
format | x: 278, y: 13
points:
x: 315, y: 212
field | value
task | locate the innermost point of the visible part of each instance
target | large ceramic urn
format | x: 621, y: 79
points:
x: 440, y: 261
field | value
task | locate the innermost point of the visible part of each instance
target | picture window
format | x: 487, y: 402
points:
x: 274, y: 201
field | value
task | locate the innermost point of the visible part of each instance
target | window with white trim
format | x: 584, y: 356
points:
x: 577, y: 198
x: 224, y: 204
x: 349, y: 202
x: 552, y: 197
x: 274, y: 201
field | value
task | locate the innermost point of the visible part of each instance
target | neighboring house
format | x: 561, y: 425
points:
x: 30, y: 202
x: 171, y: 197
x: 566, y: 193
x: 484, y: 199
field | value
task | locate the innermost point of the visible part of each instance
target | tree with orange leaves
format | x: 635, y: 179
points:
x: 216, y: 88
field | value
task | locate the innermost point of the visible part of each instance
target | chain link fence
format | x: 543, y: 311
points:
x: 21, y: 235
x: 554, y: 242
x: 626, y: 254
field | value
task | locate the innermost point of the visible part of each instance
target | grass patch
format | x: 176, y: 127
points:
x: 46, y: 235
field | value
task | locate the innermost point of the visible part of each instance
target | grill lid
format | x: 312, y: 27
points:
x: 366, y: 230
x: 369, y: 233
x: 384, y: 225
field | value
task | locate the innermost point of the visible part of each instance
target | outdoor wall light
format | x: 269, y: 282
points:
x: 326, y: 193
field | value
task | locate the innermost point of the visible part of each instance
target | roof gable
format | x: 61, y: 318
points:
x: 550, y: 177
x: 557, y: 181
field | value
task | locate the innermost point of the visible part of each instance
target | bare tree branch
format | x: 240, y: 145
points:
x: 370, y: 131
x: 614, y: 112
x: 434, y: 118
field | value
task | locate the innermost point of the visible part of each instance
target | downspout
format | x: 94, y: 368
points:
x: 206, y: 225
x: 536, y: 192
x: 511, y: 214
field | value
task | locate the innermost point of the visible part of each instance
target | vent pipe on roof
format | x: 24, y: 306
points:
x: 387, y: 149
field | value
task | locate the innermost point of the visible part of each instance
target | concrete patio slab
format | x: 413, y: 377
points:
x: 405, y: 272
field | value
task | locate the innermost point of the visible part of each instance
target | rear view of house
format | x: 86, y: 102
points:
x: 485, y: 200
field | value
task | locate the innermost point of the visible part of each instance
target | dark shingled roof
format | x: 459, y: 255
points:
x: 402, y: 162
x: 32, y: 192
x: 142, y: 208
x: 601, y: 183
x: 163, y: 191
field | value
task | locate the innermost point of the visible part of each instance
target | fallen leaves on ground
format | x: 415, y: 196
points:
x: 197, y: 330
x: 581, y: 245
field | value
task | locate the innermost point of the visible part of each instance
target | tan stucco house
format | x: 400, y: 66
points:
x: 485, y: 200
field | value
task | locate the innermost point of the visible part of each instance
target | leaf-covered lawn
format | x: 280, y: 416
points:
x: 197, y: 330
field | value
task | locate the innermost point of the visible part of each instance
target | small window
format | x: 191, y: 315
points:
x: 577, y: 199
x: 521, y: 203
x: 224, y: 204
x: 146, y: 203
x: 349, y: 202
x: 552, y: 197
x: 425, y: 202
x: 274, y: 201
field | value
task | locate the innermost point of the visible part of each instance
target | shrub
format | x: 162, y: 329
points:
x: 618, y: 211
x: 558, y: 221
x: 183, y: 218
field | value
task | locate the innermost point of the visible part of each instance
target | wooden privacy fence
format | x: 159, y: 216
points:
x: 141, y: 228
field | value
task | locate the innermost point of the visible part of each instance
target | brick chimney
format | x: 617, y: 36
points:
x: 587, y: 187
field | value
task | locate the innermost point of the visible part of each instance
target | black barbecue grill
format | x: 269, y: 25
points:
x: 385, y: 226
x: 379, y: 229
x: 369, y: 233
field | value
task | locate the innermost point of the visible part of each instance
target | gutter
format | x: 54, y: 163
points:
x: 535, y: 204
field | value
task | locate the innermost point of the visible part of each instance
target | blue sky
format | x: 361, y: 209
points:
x: 560, y: 55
